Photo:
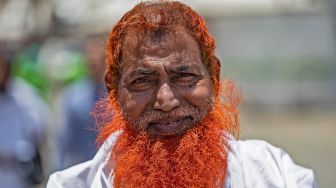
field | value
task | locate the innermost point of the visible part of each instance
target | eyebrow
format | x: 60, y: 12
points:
x: 185, y: 67
x: 182, y: 68
x: 142, y: 71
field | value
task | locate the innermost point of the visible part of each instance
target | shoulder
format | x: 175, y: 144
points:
x: 93, y: 173
x: 257, y: 163
x: 74, y: 176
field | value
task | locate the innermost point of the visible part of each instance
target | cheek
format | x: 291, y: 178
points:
x: 133, y: 104
x: 200, y: 96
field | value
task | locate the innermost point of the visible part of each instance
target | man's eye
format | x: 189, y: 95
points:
x: 184, y: 77
x: 141, y: 80
x: 141, y: 84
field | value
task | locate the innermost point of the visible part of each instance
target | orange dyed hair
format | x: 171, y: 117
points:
x: 153, y: 16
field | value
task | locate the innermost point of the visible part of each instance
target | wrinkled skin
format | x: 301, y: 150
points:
x: 164, y: 89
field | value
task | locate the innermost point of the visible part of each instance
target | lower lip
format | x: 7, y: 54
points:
x: 170, y: 128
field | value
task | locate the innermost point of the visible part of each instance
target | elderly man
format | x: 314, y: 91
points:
x: 174, y: 121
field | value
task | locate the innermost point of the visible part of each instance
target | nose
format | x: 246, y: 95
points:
x: 165, y: 99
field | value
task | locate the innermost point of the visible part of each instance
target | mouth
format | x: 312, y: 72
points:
x: 170, y: 127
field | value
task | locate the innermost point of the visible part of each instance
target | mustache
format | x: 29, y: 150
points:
x: 180, y: 112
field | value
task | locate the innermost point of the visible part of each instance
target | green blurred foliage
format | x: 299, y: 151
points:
x: 27, y: 66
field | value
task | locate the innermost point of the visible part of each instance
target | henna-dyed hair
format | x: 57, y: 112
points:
x: 159, y: 16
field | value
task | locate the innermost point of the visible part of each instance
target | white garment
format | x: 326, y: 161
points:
x: 251, y: 164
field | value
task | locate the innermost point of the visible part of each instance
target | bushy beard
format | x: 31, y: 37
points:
x: 198, y: 158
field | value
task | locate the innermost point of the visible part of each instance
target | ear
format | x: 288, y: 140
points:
x: 216, y: 67
x: 108, y: 80
x: 214, y: 70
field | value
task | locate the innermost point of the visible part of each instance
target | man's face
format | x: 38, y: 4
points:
x: 164, y: 88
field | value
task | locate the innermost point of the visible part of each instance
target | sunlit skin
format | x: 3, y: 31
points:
x: 164, y: 89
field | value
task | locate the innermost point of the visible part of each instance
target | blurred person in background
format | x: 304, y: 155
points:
x: 23, y: 118
x: 77, y: 132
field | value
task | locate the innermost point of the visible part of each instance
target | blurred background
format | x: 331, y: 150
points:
x: 280, y: 52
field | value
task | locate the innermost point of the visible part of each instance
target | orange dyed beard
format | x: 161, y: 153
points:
x: 196, y: 159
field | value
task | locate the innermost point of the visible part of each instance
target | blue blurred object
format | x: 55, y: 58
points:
x: 77, y: 128
x: 23, y: 122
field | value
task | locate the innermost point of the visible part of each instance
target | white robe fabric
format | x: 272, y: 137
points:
x: 251, y: 164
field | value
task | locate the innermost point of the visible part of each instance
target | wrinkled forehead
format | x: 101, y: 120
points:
x: 157, y: 43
